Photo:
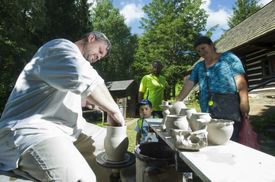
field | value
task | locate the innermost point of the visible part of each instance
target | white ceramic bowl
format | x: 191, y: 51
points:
x: 219, y: 131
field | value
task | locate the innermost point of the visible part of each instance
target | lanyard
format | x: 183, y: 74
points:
x: 210, y: 101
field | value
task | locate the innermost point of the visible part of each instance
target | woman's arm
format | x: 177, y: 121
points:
x: 243, y: 93
x: 188, y: 85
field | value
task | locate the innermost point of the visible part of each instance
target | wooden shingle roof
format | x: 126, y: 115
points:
x: 260, y: 23
x: 119, y: 85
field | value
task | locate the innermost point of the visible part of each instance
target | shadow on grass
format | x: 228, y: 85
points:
x: 264, y: 125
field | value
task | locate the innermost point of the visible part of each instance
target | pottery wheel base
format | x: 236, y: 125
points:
x: 129, y: 159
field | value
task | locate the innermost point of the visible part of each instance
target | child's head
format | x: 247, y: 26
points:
x: 145, y: 109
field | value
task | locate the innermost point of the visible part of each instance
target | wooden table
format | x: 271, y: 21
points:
x: 229, y: 162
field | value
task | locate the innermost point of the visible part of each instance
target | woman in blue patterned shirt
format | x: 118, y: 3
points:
x: 218, y: 73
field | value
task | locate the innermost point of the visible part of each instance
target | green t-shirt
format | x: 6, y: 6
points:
x: 155, y: 86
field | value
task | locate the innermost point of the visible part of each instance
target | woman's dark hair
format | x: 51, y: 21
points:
x: 202, y: 40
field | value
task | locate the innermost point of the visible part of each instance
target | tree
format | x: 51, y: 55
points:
x: 170, y: 29
x: 107, y: 19
x: 242, y: 10
x: 26, y: 24
x: 68, y: 19
x: 15, y: 45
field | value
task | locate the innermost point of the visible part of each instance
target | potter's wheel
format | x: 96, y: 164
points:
x: 128, y: 160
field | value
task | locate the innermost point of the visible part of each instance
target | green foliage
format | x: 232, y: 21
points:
x: 192, y: 99
x: 66, y: 19
x: 170, y: 29
x: 242, y: 10
x: 107, y: 19
x: 26, y: 24
x: 14, y: 43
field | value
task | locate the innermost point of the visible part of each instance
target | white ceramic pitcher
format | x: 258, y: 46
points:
x: 176, y: 122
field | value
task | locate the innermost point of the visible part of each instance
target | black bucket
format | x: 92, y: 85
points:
x: 155, y: 162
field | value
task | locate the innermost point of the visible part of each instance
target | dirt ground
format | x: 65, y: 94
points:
x: 261, y: 102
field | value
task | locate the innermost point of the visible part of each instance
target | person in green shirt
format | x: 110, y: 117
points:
x: 152, y: 87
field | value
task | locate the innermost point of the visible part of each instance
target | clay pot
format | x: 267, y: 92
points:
x: 165, y: 111
x: 116, y: 143
x: 176, y: 107
x: 198, y: 120
x: 189, y: 140
x: 181, y: 123
x: 219, y: 131
x: 169, y: 122
x: 187, y: 112
x: 176, y: 122
x: 165, y: 103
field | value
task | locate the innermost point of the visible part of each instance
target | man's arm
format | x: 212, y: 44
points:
x: 101, y: 97
x: 243, y: 93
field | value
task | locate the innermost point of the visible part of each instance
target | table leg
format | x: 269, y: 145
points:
x: 183, y: 168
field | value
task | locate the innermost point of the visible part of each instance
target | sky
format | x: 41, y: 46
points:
x: 219, y: 11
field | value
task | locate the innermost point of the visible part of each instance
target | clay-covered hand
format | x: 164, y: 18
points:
x: 115, y: 119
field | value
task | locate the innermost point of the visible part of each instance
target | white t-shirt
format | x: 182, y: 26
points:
x: 46, y: 100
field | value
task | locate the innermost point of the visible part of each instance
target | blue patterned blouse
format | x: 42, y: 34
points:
x: 220, y: 77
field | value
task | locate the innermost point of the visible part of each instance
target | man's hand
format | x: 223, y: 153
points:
x: 116, y: 119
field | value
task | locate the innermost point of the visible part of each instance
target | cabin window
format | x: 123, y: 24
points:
x: 269, y: 66
x: 273, y: 65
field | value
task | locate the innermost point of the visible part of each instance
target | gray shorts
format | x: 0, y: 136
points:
x: 59, y: 159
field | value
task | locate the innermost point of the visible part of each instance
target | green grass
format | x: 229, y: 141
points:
x: 131, y: 136
x: 194, y: 105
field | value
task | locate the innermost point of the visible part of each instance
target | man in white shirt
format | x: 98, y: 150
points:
x: 42, y: 131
